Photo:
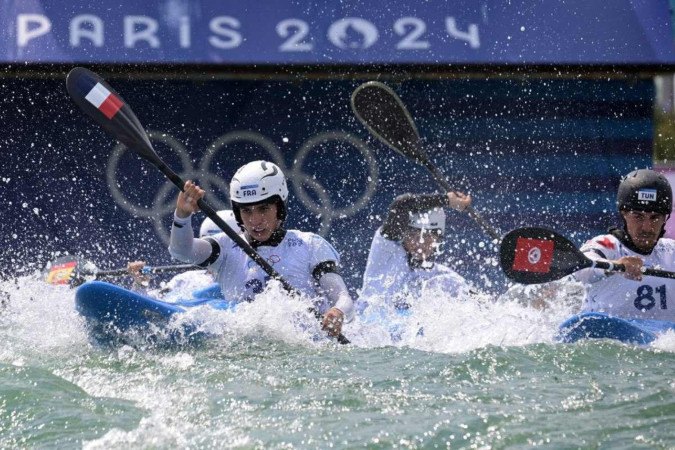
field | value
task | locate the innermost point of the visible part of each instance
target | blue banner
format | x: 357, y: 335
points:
x: 329, y: 32
x: 532, y: 153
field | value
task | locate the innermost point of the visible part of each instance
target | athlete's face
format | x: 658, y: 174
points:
x: 260, y: 221
x: 422, y: 244
x: 644, y: 228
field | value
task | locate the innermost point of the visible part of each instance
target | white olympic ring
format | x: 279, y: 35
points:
x: 114, y: 186
x: 373, y: 172
x: 163, y: 203
x: 325, y: 213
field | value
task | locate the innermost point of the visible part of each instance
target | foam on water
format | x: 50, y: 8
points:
x: 454, y: 370
x: 665, y: 342
x: 41, y: 320
x: 273, y: 315
x: 441, y: 323
x: 169, y: 387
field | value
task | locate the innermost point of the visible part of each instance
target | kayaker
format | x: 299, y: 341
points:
x: 258, y: 192
x: 403, y: 254
x: 183, y: 284
x: 644, y: 201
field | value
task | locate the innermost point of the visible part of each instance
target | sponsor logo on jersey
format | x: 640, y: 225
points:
x: 647, y: 195
x: 294, y: 242
x: 272, y: 259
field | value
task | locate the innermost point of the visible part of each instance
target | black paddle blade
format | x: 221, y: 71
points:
x: 385, y: 116
x: 537, y: 255
x: 100, y: 102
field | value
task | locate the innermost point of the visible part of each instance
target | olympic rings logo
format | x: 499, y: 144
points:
x: 163, y: 202
x: 272, y: 259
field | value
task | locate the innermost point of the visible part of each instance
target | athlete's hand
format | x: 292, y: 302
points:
x: 332, y: 322
x: 634, y: 267
x: 458, y: 200
x: 187, y: 200
x: 134, y: 267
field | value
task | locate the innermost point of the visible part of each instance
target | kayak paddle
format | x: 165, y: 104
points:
x: 385, y: 116
x: 539, y: 255
x: 72, y: 271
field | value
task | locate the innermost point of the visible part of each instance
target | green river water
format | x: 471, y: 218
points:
x: 482, y: 375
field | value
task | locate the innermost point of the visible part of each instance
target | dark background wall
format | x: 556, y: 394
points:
x: 545, y: 152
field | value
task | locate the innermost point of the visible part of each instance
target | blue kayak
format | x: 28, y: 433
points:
x: 113, y: 313
x: 595, y: 325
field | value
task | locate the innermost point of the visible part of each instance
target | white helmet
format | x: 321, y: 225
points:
x: 209, y: 228
x: 428, y: 220
x: 257, y: 182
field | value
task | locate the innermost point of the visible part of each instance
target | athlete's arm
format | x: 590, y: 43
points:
x: 185, y: 247
x: 386, y: 263
x: 334, y: 288
x: 600, y: 248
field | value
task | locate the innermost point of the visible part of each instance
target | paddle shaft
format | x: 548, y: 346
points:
x: 440, y: 179
x: 605, y: 265
x: 144, y: 270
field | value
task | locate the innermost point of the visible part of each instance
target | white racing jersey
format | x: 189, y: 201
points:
x: 389, y: 275
x: 650, y: 298
x: 295, y: 258
x: 305, y: 260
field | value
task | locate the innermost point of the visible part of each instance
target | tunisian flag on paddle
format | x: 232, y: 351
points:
x: 533, y: 255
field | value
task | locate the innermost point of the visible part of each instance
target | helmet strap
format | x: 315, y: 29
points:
x: 663, y: 228
x: 274, y: 240
x: 281, y: 211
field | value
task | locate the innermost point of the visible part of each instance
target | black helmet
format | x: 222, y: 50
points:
x: 645, y: 190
